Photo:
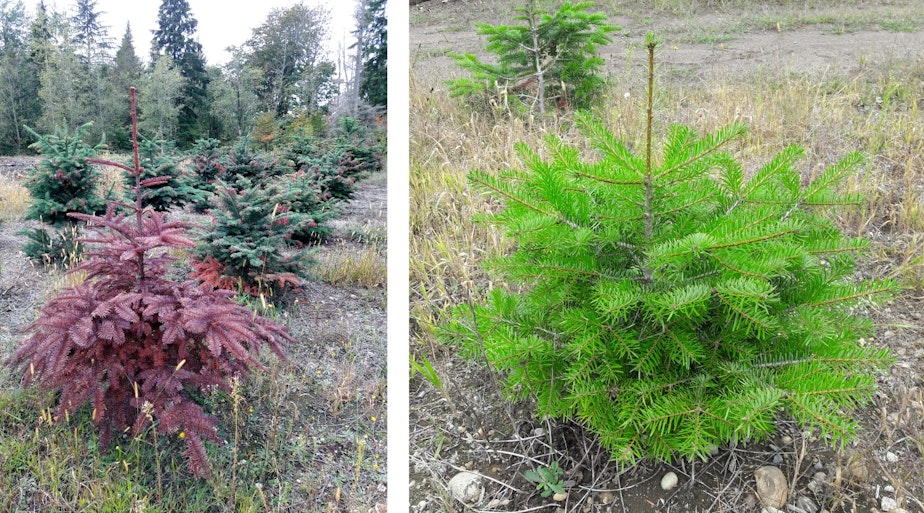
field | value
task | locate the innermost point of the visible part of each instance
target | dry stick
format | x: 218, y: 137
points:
x: 535, y: 508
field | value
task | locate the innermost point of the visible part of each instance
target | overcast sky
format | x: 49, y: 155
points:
x: 222, y: 23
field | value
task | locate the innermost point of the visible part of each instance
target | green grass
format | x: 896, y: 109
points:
x: 270, y: 463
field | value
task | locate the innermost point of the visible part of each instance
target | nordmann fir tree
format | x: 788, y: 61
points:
x: 675, y: 305
x: 135, y: 344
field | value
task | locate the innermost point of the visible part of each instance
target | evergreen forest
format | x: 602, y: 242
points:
x: 61, y: 67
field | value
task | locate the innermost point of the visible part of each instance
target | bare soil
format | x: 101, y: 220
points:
x: 473, y: 427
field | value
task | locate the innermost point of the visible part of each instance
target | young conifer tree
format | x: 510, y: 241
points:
x: 676, y: 304
x: 543, y: 57
x: 62, y: 182
x: 135, y: 344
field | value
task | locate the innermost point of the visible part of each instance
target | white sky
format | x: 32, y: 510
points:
x: 222, y: 23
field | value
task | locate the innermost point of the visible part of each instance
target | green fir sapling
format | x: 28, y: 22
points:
x: 60, y: 183
x: 546, y: 57
x: 156, y: 161
x: 207, y: 168
x: 676, y: 304
x: 243, y: 248
x: 134, y: 344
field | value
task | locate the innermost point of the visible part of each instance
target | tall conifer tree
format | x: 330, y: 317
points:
x: 175, y: 38
x: 373, y: 84
x: 124, y: 73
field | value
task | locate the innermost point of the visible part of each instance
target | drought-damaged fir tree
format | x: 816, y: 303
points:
x: 676, y: 304
x: 136, y: 345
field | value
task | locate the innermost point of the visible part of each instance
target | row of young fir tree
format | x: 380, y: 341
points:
x: 58, y: 70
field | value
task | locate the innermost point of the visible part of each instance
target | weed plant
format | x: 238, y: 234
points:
x: 672, y: 305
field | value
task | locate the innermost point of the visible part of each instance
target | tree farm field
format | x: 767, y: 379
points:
x: 308, y: 434
x: 831, y: 76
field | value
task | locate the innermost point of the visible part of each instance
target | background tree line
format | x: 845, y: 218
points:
x: 63, y: 69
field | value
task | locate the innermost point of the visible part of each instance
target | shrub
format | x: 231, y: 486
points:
x: 676, y: 305
x: 550, y: 57
x: 136, y: 345
x: 62, y: 182
x: 243, y: 247
x: 353, y: 153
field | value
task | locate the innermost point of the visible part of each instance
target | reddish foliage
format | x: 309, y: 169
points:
x: 129, y: 336
x: 212, y: 272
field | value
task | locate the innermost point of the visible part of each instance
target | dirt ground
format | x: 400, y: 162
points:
x: 473, y: 427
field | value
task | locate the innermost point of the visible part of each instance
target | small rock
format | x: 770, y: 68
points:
x: 466, y: 486
x: 786, y: 440
x: 669, y: 481
x: 814, y: 486
x: 777, y: 459
x: 819, y: 465
x: 606, y: 497
x: 856, y: 468
x: 888, y: 489
x: 538, y: 432
x: 806, y: 504
x: 821, y: 477
x: 888, y: 504
x: 772, y: 489
x: 469, y: 465
x: 558, y: 497
x: 891, y: 457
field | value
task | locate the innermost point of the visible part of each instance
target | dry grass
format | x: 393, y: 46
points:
x: 14, y: 199
x: 364, y: 267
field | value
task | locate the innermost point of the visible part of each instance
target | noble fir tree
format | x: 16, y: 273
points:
x: 136, y: 346
x: 175, y: 37
x: 672, y: 303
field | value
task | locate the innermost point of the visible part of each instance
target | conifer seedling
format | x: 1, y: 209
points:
x: 134, y: 344
x: 62, y: 182
x: 544, y: 57
x: 672, y: 303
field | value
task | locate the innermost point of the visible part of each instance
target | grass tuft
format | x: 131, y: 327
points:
x: 14, y: 199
